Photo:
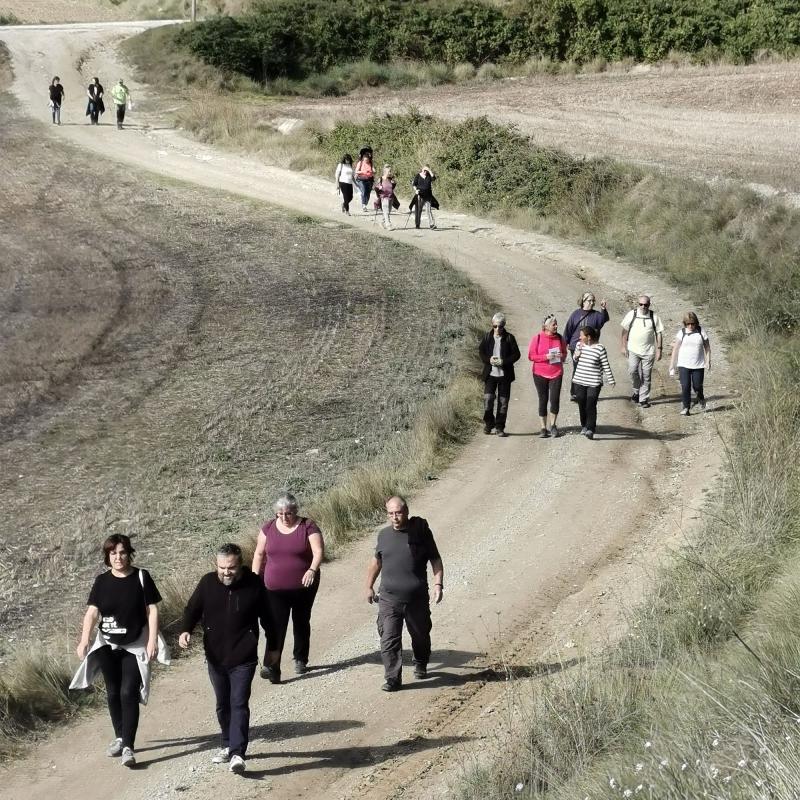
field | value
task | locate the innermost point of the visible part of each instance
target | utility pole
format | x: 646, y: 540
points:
x: 194, y: 10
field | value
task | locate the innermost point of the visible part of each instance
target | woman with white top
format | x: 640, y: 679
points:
x: 691, y: 353
x: 345, y: 181
x: 591, y: 371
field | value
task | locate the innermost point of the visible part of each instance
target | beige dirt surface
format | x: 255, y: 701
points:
x: 48, y: 11
x: 543, y: 541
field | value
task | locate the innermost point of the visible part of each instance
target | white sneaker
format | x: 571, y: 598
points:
x: 684, y: 411
x: 237, y: 765
x: 223, y: 756
x: 128, y: 757
x: 115, y: 748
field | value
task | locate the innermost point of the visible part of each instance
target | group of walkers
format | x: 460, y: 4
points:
x: 362, y: 176
x: 95, y: 107
x: 641, y: 342
x: 120, y: 636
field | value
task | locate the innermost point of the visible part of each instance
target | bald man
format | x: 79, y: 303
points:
x: 404, y: 549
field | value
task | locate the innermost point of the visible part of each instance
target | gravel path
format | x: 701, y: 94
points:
x: 531, y: 552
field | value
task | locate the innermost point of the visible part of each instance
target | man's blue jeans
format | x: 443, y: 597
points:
x: 232, y: 687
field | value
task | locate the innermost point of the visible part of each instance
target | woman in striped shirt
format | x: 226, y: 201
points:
x: 591, y: 370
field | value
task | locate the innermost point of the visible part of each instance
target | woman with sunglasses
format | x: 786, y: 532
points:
x: 548, y: 351
x: 499, y: 352
x: 691, y: 353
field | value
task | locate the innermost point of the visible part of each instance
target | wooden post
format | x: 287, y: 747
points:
x: 194, y: 10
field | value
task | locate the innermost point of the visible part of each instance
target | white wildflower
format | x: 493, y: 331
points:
x: 684, y: 766
x: 715, y: 743
x: 627, y: 793
x: 612, y: 783
x: 639, y: 767
x: 647, y: 745
x: 742, y: 763
x: 519, y: 787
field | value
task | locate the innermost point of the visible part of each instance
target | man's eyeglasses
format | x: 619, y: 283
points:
x: 497, y: 326
x: 644, y: 305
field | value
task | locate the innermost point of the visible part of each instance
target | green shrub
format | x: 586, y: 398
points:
x: 483, y: 166
x: 299, y: 38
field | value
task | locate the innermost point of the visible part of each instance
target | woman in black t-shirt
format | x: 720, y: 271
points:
x: 56, y: 98
x: 123, y: 601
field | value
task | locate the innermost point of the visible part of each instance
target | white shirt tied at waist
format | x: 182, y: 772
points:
x: 89, y: 669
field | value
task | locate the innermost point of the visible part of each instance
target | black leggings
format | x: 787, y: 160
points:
x: 587, y: 405
x: 121, y: 673
x: 548, y: 388
x: 347, y: 194
x: 298, y: 603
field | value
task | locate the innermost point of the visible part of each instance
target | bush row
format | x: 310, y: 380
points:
x: 297, y: 38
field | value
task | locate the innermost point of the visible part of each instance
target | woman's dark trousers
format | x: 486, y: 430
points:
x: 347, y: 195
x: 297, y: 603
x: 121, y: 673
x: 548, y: 388
x: 587, y: 405
x: 691, y: 379
x: 232, y: 687
x: 501, y: 387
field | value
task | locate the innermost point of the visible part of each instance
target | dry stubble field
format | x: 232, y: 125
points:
x: 172, y: 359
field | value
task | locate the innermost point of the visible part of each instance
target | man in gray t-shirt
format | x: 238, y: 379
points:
x: 401, y: 559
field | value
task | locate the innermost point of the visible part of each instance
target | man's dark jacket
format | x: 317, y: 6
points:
x: 230, y: 617
x: 509, y: 353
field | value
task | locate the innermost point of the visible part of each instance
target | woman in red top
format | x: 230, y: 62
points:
x: 288, y: 554
x: 364, y: 175
x: 547, y: 351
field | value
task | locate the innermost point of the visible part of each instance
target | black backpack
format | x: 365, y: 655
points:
x: 634, y: 318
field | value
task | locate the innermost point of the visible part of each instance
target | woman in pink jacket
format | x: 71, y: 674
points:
x: 548, y: 351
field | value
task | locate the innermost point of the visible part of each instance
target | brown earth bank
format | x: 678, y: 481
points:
x: 537, y: 567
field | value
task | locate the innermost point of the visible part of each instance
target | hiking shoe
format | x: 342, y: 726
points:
x: 392, y: 686
x: 420, y: 671
x: 115, y: 748
x: 635, y: 397
x: 588, y: 434
x: 554, y: 431
x: 544, y: 433
x: 128, y: 757
x: 271, y: 673
x: 433, y: 227
x: 644, y: 404
x: 223, y: 756
x: 702, y: 404
x: 487, y: 430
x: 583, y: 431
x: 501, y: 432
x: 237, y: 765
x: 364, y: 209
x: 300, y: 667
x: 684, y: 412
x: 573, y: 398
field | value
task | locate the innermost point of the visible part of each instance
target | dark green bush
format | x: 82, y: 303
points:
x: 298, y: 38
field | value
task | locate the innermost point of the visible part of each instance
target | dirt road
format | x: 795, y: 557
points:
x: 541, y: 539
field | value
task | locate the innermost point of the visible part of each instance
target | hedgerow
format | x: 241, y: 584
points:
x: 298, y: 38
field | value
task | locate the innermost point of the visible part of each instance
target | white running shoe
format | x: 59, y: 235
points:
x: 128, y: 757
x: 115, y: 748
x: 237, y: 765
x: 223, y: 756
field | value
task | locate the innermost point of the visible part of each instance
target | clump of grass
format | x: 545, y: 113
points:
x: 9, y: 19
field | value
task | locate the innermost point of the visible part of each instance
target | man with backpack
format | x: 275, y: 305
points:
x: 641, y: 341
